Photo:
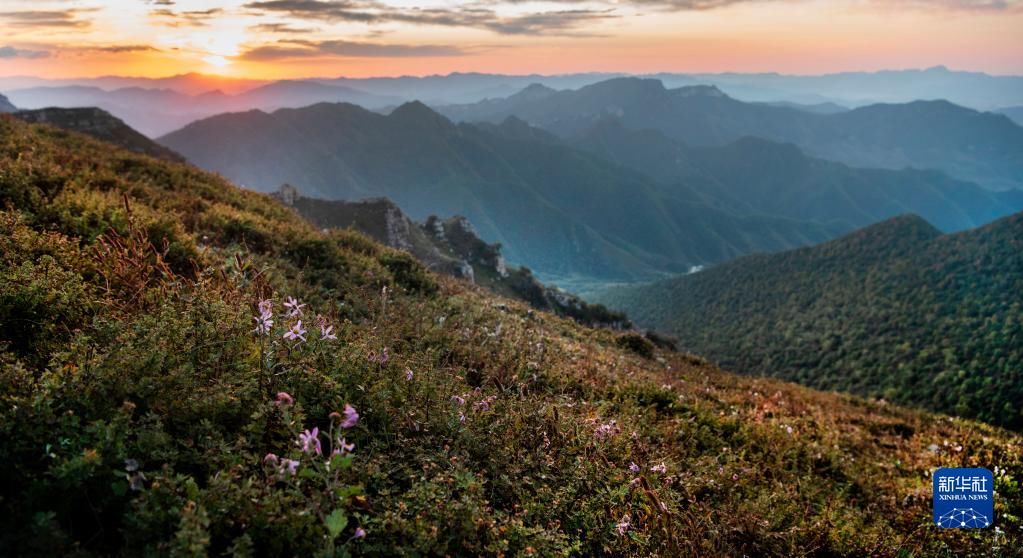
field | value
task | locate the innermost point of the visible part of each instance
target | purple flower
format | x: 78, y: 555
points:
x: 294, y: 307
x: 290, y: 465
x: 483, y: 405
x: 343, y: 447
x: 272, y: 459
x: 605, y: 431
x: 623, y: 526
x: 284, y: 399
x: 351, y: 417
x: 458, y: 400
x: 633, y: 467
x: 263, y: 324
x: 310, y: 441
x: 266, y: 308
x: 461, y: 417
x: 660, y: 468
x: 359, y: 533
x: 380, y: 359
x: 408, y: 374
x: 296, y: 332
x: 326, y: 332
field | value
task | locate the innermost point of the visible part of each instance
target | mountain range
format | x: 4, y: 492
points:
x: 984, y: 148
x: 558, y: 210
x: 580, y: 210
x: 158, y: 111
x: 896, y: 310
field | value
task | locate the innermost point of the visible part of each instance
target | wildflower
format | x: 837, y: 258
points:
x: 343, y: 448
x: 633, y: 467
x: 623, y: 526
x: 659, y: 468
x: 408, y: 374
x: 635, y: 482
x: 294, y: 307
x: 384, y: 357
x: 604, y: 431
x: 290, y: 465
x: 359, y: 531
x: 131, y: 465
x: 788, y: 429
x: 735, y: 477
x: 296, y: 332
x: 310, y: 441
x: 326, y: 332
x: 461, y: 417
x: 284, y: 399
x: 458, y: 400
x: 263, y: 324
x: 351, y: 417
x: 483, y: 405
x: 272, y: 459
x: 266, y: 308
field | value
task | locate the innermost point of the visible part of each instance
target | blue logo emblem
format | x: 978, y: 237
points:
x: 964, y: 498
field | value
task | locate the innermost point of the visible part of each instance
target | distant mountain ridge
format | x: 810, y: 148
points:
x: 558, y: 210
x: 753, y: 176
x: 984, y: 148
x: 449, y: 246
x: 895, y: 310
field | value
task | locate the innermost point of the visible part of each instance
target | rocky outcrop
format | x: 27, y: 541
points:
x: 6, y: 105
x: 450, y: 246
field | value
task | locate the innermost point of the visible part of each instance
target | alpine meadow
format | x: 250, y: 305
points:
x: 638, y: 278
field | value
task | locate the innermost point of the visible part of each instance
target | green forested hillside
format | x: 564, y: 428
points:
x: 148, y: 407
x: 896, y: 310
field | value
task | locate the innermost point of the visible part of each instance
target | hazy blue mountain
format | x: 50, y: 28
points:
x: 157, y: 111
x: 980, y: 147
x: 6, y: 106
x: 1015, y: 113
x: 972, y: 89
x: 563, y: 212
x: 754, y: 176
x: 896, y: 310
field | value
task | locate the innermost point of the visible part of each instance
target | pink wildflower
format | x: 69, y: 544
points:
x: 351, y: 417
x: 296, y: 332
x: 633, y: 467
x: 623, y: 526
x: 291, y: 465
x: 294, y: 307
x: 660, y: 468
x: 310, y: 441
x: 408, y: 374
x: 271, y: 458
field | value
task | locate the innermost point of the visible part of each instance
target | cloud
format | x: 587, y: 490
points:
x: 124, y: 48
x: 11, y: 52
x: 279, y: 28
x: 346, y: 49
x: 47, y: 18
x: 193, y: 18
x: 559, y: 22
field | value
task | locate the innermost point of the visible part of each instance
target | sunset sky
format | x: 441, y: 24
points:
x: 303, y: 38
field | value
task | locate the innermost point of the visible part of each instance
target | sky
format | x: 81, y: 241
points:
x: 275, y: 39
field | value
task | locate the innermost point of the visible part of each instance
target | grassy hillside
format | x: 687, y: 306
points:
x: 896, y: 310
x: 142, y: 414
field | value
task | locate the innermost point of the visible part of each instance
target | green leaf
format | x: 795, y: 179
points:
x: 336, y: 522
x: 119, y: 487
